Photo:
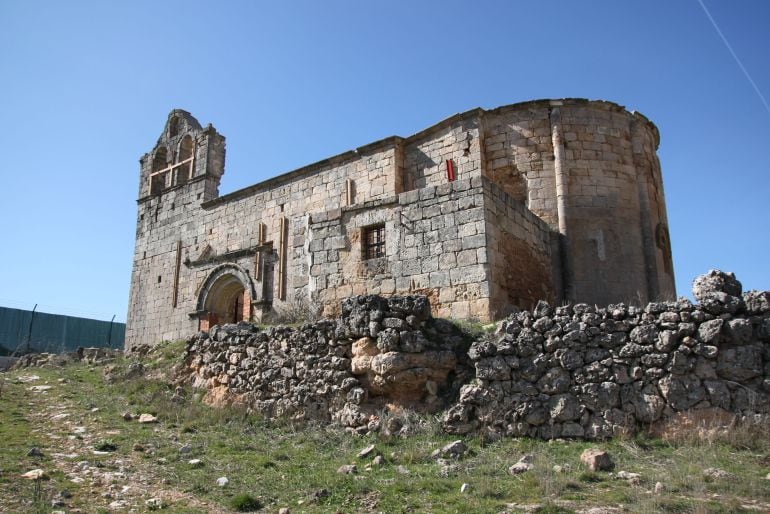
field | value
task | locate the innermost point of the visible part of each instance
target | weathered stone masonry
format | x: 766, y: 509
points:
x: 571, y: 371
x: 380, y: 350
x: 487, y: 210
x: 583, y: 371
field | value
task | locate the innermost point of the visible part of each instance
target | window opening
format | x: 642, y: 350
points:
x: 173, y: 127
x: 261, y: 233
x: 283, y: 249
x: 374, y: 242
x: 158, y: 175
x: 184, y: 164
x: 175, y: 294
x: 164, y: 175
x: 662, y: 240
x: 349, y: 192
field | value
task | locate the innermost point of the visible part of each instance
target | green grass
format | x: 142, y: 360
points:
x: 106, y: 446
x: 245, y: 502
x: 283, y: 464
x: 18, y: 436
x: 473, y: 330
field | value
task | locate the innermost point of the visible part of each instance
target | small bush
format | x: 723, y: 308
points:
x: 245, y: 503
x: 473, y: 330
x: 171, y: 350
x: 105, y: 446
x: 411, y: 422
x: 293, y: 312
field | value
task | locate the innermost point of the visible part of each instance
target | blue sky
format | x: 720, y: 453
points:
x: 86, y: 88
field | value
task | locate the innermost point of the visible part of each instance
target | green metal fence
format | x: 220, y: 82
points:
x: 23, y: 331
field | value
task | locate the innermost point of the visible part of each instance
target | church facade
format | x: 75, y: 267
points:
x: 483, y: 212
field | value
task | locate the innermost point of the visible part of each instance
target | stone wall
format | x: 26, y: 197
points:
x: 438, y: 244
x: 571, y: 371
x: 582, y: 371
x: 281, y: 372
x: 523, y: 253
x: 518, y: 153
x: 612, y: 229
x: 427, y: 152
x: 379, y: 351
x: 613, y: 204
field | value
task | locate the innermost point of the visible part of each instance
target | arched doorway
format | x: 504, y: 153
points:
x: 224, y: 303
x: 225, y: 297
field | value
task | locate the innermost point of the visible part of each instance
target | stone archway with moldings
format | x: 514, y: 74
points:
x: 225, y: 297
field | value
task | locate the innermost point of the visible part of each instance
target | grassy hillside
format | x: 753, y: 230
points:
x: 97, y: 461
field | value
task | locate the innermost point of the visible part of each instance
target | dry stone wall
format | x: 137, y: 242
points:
x: 379, y: 350
x: 570, y: 371
x: 587, y: 372
x: 281, y: 372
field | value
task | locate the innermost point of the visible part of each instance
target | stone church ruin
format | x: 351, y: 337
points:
x: 547, y: 215
x: 485, y: 212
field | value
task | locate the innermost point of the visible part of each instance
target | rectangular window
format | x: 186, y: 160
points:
x: 374, y: 242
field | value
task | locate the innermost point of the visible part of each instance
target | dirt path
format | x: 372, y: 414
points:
x: 128, y: 481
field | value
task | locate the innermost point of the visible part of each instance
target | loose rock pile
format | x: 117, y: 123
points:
x: 86, y: 355
x: 380, y: 350
x: 588, y: 372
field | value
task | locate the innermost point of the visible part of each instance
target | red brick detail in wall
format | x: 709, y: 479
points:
x: 246, y: 305
x: 207, y: 321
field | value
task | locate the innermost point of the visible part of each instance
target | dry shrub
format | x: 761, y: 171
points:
x: 716, y: 426
x: 297, y: 310
x: 410, y: 421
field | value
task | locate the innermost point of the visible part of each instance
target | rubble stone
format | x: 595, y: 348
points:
x: 333, y: 370
x: 597, y: 460
x: 588, y: 372
x: 627, y: 374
